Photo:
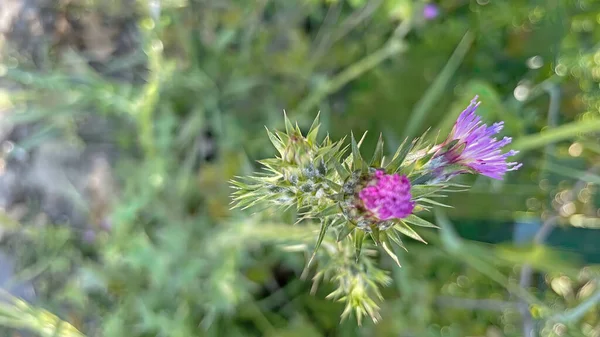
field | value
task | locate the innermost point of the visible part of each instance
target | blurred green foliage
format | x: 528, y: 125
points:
x: 178, y: 262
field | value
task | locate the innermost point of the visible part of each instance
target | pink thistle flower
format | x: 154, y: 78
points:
x: 388, y: 196
x: 476, y: 147
x: 430, y: 11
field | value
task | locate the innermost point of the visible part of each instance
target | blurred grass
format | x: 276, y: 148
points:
x: 178, y: 262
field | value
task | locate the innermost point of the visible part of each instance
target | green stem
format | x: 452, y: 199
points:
x: 392, y: 47
x: 466, y: 253
x: 146, y: 103
x: 349, y: 74
x: 435, y: 91
x: 567, y: 131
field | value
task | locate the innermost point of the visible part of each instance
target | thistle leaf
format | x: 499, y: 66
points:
x: 297, y: 129
x: 362, y: 138
x: 396, y: 239
x: 346, y: 230
x: 289, y: 127
x: 378, y: 155
x: 339, y: 149
x: 408, y: 231
x: 375, y: 235
x: 341, y: 170
x: 276, y: 142
x: 314, y: 130
x: 419, y: 191
x: 421, y: 144
x: 357, y: 161
x: 329, y: 211
x: 433, y: 202
x: 359, y: 238
x: 324, y: 226
x: 415, y: 220
x: 398, y: 157
x: 386, y: 244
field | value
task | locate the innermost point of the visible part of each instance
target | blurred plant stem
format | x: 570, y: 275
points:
x: 474, y: 304
x: 526, y: 274
x: 475, y: 257
x: 436, y: 89
x: 144, y: 106
x: 540, y: 237
x: 563, y: 132
x: 350, y: 23
x: 392, y: 47
x: 554, y: 92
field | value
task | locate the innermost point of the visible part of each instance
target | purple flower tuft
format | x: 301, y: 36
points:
x: 89, y: 236
x: 476, y: 148
x: 388, y: 196
x: 430, y: 11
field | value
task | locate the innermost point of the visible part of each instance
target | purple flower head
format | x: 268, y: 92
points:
x: 475, y: 146
x: 89, y: 236
x: 430, y: 11
x: 388, y: 196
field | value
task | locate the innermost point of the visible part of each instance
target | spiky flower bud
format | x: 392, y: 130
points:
x: 297, y: 150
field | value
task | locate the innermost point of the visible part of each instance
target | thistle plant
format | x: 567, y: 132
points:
x: 383, y: 198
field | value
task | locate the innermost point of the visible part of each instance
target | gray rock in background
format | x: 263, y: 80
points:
x: 100, y: 35
x: 23, y: 290
x: 57, y: 175
x: 27, y: 24
x: 65, y: 183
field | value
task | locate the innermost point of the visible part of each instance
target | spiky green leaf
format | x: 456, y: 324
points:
x: 330, y: 210
x: 387, y: 247
x: 415, y: 220
x: 362, y: 139
x: 347, y: 229
x: 313, y: 132
x: 289, y: 127
x: 375, y: 235
x: 341, y: 170
x: 358, y: 238
x: 357, y: 161
x: 378, y: 155
x: 419, y: 191
x: 392, y: 235
x: 405, y: 229
x: 399, y: 156
x: 325, y: 223
x: 433, y: 202
x: 279, y: 145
